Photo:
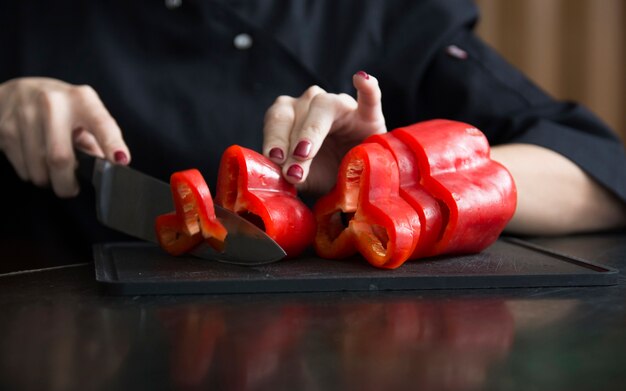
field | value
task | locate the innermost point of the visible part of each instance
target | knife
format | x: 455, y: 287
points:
x: 129, y: 201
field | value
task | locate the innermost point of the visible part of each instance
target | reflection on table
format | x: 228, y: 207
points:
x: 60, y: 332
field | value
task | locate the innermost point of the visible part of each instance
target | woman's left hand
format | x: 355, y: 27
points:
x: 309, y: 135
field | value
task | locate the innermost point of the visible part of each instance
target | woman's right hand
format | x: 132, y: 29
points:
x: 42, y: 120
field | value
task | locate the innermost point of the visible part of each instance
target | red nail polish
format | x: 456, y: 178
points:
x: 277, y: 153
x: 295, y: 171
x: 120, y: 157
x: 363, y: 74
x: 303, y: 149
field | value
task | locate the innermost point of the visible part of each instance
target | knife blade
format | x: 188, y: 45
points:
x: 129, y: 201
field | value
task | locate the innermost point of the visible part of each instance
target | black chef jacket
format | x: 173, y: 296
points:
x: 184, y: 80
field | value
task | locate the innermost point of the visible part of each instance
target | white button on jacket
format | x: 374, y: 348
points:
x: 243, y: 41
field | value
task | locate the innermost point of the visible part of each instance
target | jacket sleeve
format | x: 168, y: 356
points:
x: 476, y: 85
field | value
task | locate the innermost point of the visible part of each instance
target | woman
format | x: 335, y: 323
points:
x: 172, y: 84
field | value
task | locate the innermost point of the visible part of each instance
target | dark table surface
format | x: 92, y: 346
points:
x: 59, y: 331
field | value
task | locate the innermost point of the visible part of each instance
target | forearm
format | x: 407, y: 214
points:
x: 554, y: 195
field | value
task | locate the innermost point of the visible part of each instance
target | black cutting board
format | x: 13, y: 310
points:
x: 134, y: 268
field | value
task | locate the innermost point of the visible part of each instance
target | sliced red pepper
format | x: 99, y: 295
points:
x: 171, y: 235
x: 458, y: 199
x: 332, y: 214
x: 193, y: 203
x: 251, y: 185
x: 194, y: 219
x: 430, y: 220
x: 477, y: 195
x: 381, y: 227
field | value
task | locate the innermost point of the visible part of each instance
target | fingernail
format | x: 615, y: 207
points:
x: 363, y: 74
x: 120, y: 157
x: 277, y: 153
x: 295, y: 171
x: 302, y: 149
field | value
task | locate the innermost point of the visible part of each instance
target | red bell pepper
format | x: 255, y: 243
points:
x: 251, y: 185
x: 194, y: 219
x: 455, y: 198
x: 171, y: 235
x: 193, y: 203
x: 382, y: 224
x: 477, y: 195
x: 428, y: 209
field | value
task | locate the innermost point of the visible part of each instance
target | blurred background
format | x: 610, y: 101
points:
x: 574, y: 49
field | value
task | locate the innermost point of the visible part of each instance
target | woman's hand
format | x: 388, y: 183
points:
x: 42, y: 120
x: 308, y: 136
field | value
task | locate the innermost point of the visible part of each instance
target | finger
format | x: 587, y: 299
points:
x: 324, y: 111
x: 95, y: 118
x: 303, y: 103
x: 368, y: 97
x: 10, y: 144
x: 284, y: 115
x: 30, y: 127
x: 87, y: 142
x: 279, y: 120
x: 301, y: 107
x: 60, y: 159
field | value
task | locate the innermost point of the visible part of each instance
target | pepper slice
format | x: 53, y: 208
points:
x: 455, y: 198
x: 252, y: 186
x: 193, y: 203
x: 477, y: 195
x: 194, y: 219
x: 427, y: 207
x: 171, y: 235
x: 381, y: 226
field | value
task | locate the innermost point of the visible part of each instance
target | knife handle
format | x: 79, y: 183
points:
x: 86, y: 164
